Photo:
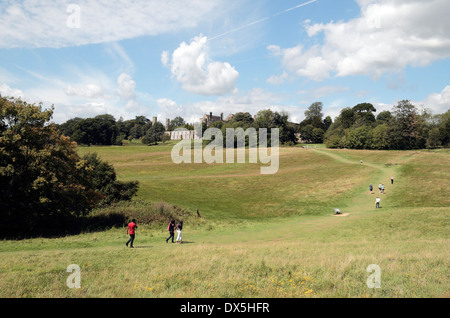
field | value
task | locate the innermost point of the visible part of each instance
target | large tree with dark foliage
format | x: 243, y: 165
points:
x: 42, y: 178
x: 312, y: 129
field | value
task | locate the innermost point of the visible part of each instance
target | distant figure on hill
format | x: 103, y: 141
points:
x: 171, y: 229
x: 179, y: 228
x: 370, y: 188
x: 379, y: 187
x: 377, y: 203
x: 392, y: 180
x: 131, y: 231
x: 382, y: 188
x: 361, y: 161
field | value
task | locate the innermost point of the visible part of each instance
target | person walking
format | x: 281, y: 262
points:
x: 392, y: 180
x: 382, y: 188
x: 171, y: 229
x: 379, y: 187
x: 370, y: 188
x: 131, y: 231
x: 377, y: 203
x: 179, y: 228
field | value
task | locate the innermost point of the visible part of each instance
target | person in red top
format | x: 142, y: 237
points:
x: 131, y: 230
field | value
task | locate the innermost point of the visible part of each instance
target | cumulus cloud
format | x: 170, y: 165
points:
x: 438, y: 103
x: 43, y: 23
x: 191, y: 66
x: 387, y: 37
x: 7, y: 91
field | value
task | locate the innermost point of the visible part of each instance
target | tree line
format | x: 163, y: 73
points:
x: 264, y: 119
x: 403, y: 127
x: 106, y: 130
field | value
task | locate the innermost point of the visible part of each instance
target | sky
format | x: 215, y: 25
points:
x: 169, y: 58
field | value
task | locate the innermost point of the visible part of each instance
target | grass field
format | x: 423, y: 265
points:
x: 259, y: 235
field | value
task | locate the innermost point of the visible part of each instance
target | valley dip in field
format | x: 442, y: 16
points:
x: 227, y: 308
x: 235, y: 139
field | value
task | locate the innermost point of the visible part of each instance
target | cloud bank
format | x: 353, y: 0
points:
x: 387, y: 37
x: 56, y: 23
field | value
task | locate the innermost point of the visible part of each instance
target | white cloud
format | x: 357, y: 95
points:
x: 278, y: 79
x: 43, y: 23
x: 387, y: 37
x: 438, y: 102
x: 87, y: 95
x: 88, y: 91
x: 165, y: 58
x: 191, y: 66
x: 7, y: 91
x: 126, y: 86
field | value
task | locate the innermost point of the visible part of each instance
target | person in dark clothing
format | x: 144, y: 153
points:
x: 131, y: 231
x: 171, y: 229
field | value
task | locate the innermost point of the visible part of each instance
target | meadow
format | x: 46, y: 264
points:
x: 258, y: 235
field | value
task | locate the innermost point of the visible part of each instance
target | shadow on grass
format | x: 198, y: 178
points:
x: 57, y: 226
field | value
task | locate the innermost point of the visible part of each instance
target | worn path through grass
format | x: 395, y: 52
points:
x: 361, y: 204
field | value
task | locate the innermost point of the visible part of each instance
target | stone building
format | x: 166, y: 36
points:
x: 182, y: 134
x: 209, y: 119
x: 190, y: 134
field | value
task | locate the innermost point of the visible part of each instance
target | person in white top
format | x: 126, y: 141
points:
x: 179, y: 229
x: 377, y: 203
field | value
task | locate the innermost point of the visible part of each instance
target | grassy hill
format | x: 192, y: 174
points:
x: 259, y: 235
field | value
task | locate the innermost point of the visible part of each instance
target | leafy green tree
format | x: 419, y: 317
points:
x: 306, y: 133
x: 154, y: 134
x: 384, y: 117
x: 265, y: 119
x: 359, y: 138
x: 104, y: 180
x: 41, y: 175
x: 314, y: 110
x: 243, y: 117
x: 347, y: 117
x: 363, y: 114
x: 405, y: 132
x: 43, y: 181
x: 177, y: 122
x: 327, y: 123
x: 380, y: 138
x: 317, y: 135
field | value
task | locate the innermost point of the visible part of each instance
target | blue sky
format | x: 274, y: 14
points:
x: 186, y: 58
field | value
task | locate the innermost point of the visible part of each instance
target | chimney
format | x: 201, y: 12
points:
x: 221, y: 116
x: 154, y: 120
x: 167, y: 123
